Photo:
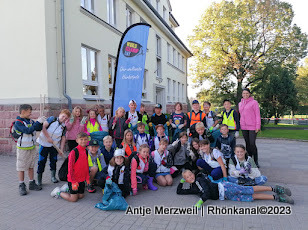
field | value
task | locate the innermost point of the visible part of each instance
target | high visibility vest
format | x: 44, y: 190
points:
x: 92, y: 128
x: 128, y: 151
x: 91, y: 163
x: 229, y: 121
x: 194, y: 118
x: 144, y: 120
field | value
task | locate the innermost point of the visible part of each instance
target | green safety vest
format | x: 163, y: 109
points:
x: 229, y: 121
x: 91, y: 163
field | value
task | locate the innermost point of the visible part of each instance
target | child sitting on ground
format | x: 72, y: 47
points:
x: 163, y: 161
x: 203, y: 187
x: 202, y: 133
x: 180, y: 152
x: 78, y: 172
x: 118, y: 172
x: 160, y: 130
x: 225, y: 144
x: 96, y: 162
x: 128, y: 144
x: 194, y: 154
x: 117, y: 125
x: 243, y: 169
x: 142, y: 171
x: 211, y: 161
x: 26, y: 152
x: 158, y: 118
x: 107, y: 150
x: 141, y: 137
x: 53, y: 134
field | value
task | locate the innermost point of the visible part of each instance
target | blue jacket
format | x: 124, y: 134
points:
x: 36, y: 126
x: 107, y: 155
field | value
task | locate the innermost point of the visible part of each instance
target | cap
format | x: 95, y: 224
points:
x: 195, y: 102
x: 119, y: 152
x: 158, y: 106
x: 132, y: 101
x: 93, y: 143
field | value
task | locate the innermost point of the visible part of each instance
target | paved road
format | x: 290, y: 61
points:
x: 285, y: 162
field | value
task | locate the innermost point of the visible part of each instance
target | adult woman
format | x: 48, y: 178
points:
x: 250, y: 122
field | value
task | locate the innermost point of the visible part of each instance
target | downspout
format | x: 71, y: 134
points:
x: 64, y: 58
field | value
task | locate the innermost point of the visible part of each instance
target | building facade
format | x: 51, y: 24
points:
x: 61, y: 52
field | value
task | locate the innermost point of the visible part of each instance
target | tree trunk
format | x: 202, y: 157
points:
x: 238, y: 93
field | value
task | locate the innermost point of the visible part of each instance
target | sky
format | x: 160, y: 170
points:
x: 188, y: 14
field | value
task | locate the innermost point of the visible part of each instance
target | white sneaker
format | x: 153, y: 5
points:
x: 55, y: 193
x: 64, y: 188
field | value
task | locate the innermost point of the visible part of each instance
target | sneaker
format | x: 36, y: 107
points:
x: 64, y: 188
x: 34, y: 186
x: 55, y: 193
x: 284, y: 198
x: 145, y: 187
x: 282, y: 190
x: 22, y: 189
x: 91, y: 188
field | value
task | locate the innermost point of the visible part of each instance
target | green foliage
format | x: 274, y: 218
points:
x: 236, y: 40
x: 301, y: 83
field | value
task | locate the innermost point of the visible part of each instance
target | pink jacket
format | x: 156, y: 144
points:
x: 250, y: 114
x: 134, y: 168
x: 73, y: 129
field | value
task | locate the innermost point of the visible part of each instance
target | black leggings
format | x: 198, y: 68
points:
x: 179, y: 167
x: 250, y: 137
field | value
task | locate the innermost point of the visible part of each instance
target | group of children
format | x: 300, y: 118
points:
x: 138, y: 150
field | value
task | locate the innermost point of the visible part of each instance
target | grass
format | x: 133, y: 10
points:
x: 284, y: 133
x: 286, y: 125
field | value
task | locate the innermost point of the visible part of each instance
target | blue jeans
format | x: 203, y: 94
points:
x: 216, y: 173
x: 259, y: 180
x: 43, y: 155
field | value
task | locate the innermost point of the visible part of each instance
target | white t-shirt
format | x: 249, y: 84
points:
x: 103, y: 121
x: 134, y: 118
x: 208, y: 159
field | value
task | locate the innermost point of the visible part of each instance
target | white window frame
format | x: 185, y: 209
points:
x: 183, y: 67
x: 179, y: 60
x: 112, y: 68
x: 157, y: 5
x: 111, y: 12
x: 174, y: 90
x: 129, y: 16
x: 174, y: 56
x: 179, y: 90
x: 158, y: 58
x: 158, y: 46
x: 164, y: 13
x: 88, y: 5
x: 168, y: 51
x: 89, y: 64
x: 144, y: 87
x: 183, y: 94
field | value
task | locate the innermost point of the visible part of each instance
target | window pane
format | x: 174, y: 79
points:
x: 82, y: 3
x: 90, y: 90
x: 84, y: 64
x: 93, y: 65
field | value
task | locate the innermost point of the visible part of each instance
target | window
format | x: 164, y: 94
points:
x: 174, y: 89
x: 111, y: 12
x: 144, y: 90
x: 88, y: 5
x: 158, y: 67
x: 157, y: 5
x: 129, y: 16
x: 168, y: 51
x: 179, y: 91
x: 165, y: 13
x: 183, y: 93
x: 158, y: 57
x: 89, y: 71
x: 158, y: 46
x: 179, y: 60
x: 111, y: 72
x: 183, y: 63
x: 174, y: 56
x: 169, y: 90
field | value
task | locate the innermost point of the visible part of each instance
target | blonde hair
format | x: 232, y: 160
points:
x: 75, y: 110
x: 124, y: 139
x: 186, y: 171
x: 107, y: 138
x: 143, y: 146
x: 200, y: 125
x: 118, y: 109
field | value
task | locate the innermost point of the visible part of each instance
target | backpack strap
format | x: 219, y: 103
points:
x: 137, y: 159
x: 76, y: 154
x: 54, y: 120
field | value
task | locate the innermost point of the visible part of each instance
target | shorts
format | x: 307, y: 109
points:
x: 237, y: 192
x: 80, y: 190
x: 25, y: 159
x: 162, y: 174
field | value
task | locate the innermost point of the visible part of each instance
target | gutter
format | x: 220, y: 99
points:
x: 69, y: 99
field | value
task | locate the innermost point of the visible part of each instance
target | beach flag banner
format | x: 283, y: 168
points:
x: 129, y: 70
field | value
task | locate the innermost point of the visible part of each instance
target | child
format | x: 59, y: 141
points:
x: 141, y: 137
x: 195, y: 116
x: 78, y: 172
x: 92, y: 125
x: 231, y: 118
x: 202, y: 133
x: 133, y: 115
x: 210, y: 116
x: 144, y: 118
x: 53, y: 133
x: 162, y: 160
x: 103, y: 118
x: 243, y: 169
x: 128, y: 143
x: 96, y: 163
x: 158, y: 118
x: 107, y: 150
x: 140, y: 167
x: 118, y: 172
x: 211, y: 161
x: 225, y: 144
x: 26, y: 152
x: 180, y: 152
x: 74, y: 126
x: 160, y: 130
x: 117, y: 126
x: 194, y: 153
x: 178, y: 121
x: 203, y: 187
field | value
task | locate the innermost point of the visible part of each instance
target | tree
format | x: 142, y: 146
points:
x: 301, y: 83
x: 236, y: 40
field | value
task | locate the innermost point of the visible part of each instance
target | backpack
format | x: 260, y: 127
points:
x: 63, y: 171
x: 14, y: 134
